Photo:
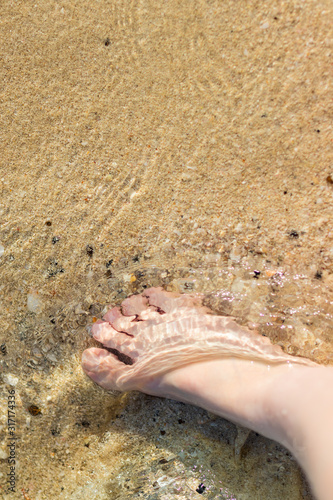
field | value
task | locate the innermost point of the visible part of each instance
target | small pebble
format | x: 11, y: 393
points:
x: 201, y: 488
x: 10, y: 379
x: 34, y: 303
x: 89, y: 250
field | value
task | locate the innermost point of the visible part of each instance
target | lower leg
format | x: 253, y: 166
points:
x: 290, y: 404
x: 305, y: 423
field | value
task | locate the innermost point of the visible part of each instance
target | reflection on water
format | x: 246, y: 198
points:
x: 183, y: 144
x: 294, y: 311
x: 186, y: 449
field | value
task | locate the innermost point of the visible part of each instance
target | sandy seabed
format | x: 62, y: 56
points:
x: 178, y: 143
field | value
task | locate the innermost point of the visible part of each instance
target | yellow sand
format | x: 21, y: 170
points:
x: 189, y: 143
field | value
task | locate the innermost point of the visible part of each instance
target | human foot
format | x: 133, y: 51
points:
x: 157, y: 331
x: 170, y: 345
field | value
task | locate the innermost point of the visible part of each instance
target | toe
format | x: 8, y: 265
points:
x: 170, y: 301
x: 104, y: 333
x: 165, y: 301
x: 118, y: 321
x: 105, y: 369
x: 127, y: 323
x: 134, y: 305
x: 113, y: 314
x: 139, y: 306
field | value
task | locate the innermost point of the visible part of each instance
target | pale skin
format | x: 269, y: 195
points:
x: 176, y: 348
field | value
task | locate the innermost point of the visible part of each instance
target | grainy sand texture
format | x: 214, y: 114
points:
x: 178, y: 143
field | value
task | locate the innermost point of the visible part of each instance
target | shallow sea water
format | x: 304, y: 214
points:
x: 179, y: 144
x: 113, y: 445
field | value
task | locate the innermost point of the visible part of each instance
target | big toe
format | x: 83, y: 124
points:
x: 105, y: 369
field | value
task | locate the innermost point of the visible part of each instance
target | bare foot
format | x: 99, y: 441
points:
x: 170, y: 345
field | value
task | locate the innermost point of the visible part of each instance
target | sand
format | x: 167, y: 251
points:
x: 184, y: 144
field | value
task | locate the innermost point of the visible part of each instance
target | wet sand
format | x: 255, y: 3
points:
x: 187, y: 144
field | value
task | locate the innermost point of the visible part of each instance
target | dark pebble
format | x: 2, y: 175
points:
x: 201, y: 488
x: 89, y: 250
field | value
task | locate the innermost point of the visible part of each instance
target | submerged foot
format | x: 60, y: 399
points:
x: 170, y: 345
